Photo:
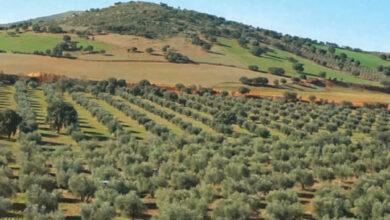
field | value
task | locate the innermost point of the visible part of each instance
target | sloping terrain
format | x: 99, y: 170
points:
x: 127, y: 40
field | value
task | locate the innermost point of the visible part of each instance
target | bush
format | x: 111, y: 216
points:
x: 149, y: 50
x: 5, y: 205
x: 243, y: 89
x: 276, y: 70
x: 283, y: 204
x: 174, y: 57
x: 257, y: 81
x: 130, y: 205
x: 258, y: 51
x: 253, y: 67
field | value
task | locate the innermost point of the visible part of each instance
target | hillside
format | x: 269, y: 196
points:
x: 126, y: 40
x: 161, y: 21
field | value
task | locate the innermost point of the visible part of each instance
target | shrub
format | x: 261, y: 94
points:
x: 243, y: 89
x: 253, y: 67
x: 276, y: 70
x: 175, y: 57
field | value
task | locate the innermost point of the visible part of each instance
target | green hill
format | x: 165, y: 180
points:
x: 161, y: 21
x: 208, y: 39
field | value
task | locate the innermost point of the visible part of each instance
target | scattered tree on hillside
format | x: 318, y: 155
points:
x: 258, y: 51
x: 149, y: 50
x: 253, y: 67
x: 276, y: 70
x: 67, y: 38
x: 298, y: 67
x: 244, y: 90
x: 175, y: 57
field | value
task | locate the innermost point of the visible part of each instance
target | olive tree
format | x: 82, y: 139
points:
x: 283, y: 204
x: 9, y: 122
x: 61, y: 114
x: 81, y: 186
x: 331, y: 202
x: 130, y: 205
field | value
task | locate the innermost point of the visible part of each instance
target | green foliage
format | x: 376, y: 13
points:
x: 61, y: 114
x: 97, y: 210
x: 149, y: 50
x: 175, y: 57
x: 253, y: 67
x: 276, y: 70
x: 283, y: 204
x: 45, y: 201
x: 298, y: 67
x: 258, y: 51
x: 81, y: 186
x: 243, y: 89
x: 9, y: 122
x: 231, y: 209
x: 257, y: 81
x: 330, y: 201
x: 5, y: 205
x: 130, y: 205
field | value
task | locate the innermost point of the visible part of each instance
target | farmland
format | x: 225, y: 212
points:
x: 369, y: 60
x: 142, y: 142
x: 30, y: 42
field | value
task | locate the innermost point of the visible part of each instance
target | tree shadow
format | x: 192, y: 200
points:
x: 86, y: 126
x: 275, y: 57
x: 272, y: 58
x: 69, y: 200
x: 17, y: 206
x: 72, y: 217
x: 305, y: 195
x: 223, y: 45
x: 48, y: 143
x: 49, y: 135
x: 216, y: 53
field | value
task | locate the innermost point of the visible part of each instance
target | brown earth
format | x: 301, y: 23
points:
x: 157, y: 72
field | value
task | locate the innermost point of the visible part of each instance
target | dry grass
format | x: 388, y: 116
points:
x: 162, y: 73
x: 337, y: 94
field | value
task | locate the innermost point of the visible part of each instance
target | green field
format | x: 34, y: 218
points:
x: 278, y: 58
x: 366, y: 59
x: 29, y: 42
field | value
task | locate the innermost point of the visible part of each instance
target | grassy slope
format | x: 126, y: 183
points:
x: 232, y: 53
x: 277, y: 58
x: 29, y: 41
x: 366, y: 59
